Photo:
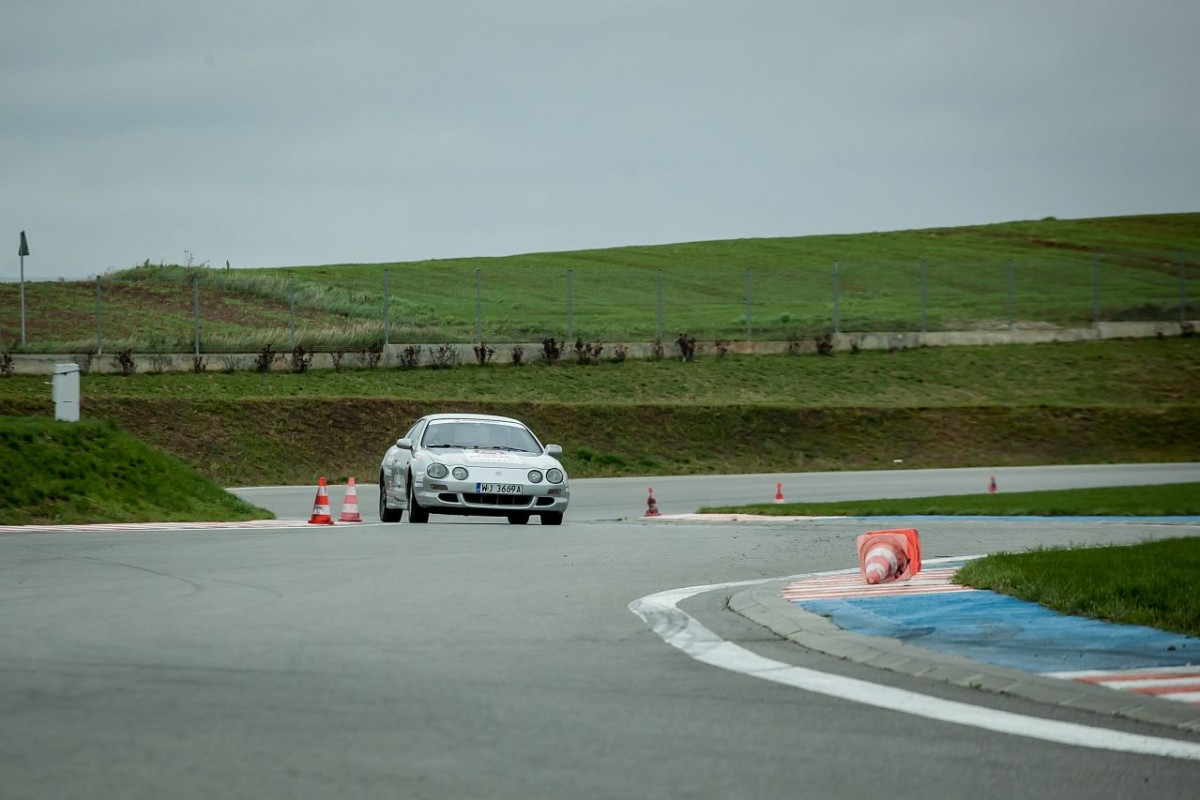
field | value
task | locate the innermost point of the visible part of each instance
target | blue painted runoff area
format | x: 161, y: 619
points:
x: 998, y: 629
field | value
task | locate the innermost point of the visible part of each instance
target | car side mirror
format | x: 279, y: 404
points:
x: 404, y: 444
x: 553, y: 450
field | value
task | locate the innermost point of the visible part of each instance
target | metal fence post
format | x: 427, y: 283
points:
x: 292, y: 310
x: 479, y: 306
x: 1009, y: 290
x: 387, y: 317
x: 1182, y: 287
x: 837, y: 321
x: 1096, y: 289
x: 196, y: 310
x: 924, y: 316
x: 658, y: 281
x: 749, y: 336
x: 99, y: 323
x: 570, y: 305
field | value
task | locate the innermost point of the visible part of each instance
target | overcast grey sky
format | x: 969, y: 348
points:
x: 293, y: 132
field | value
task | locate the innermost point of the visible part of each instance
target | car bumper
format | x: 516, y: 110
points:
x: 462, y: 497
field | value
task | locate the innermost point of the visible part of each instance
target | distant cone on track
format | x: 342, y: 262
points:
x: 779, y: 493
x: 651, y: 505
x: 320, y: 512
x: 350, y: 504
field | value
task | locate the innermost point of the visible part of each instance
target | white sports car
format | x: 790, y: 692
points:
x: 472, y: 464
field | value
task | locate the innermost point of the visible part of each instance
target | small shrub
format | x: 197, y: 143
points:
x: 517, y: 355
x: 84, y: 360
x: 657, y: 351
x: 586, y: 352
x: 230, y: 364
x: 620, y: 354
x: 264, y: 360
x: 722, y: 347
x: 300, y: 360
x: 444, y: 356
x: 125, y: 362
x: 483, y: 354
x: 199, y: 364
x: 551, y: 350
x: 794, y: 346
x: 159, y: 362
x: 7, y: 367
x: 337, y: 357
x: 370, y: 356
x: 687, y: 347
x: 410, y: 357
x: 824, y: 344
x: 1187, y: 330
x: 855, y: 347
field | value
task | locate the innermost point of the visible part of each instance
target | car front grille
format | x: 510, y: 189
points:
x: 513, y: 500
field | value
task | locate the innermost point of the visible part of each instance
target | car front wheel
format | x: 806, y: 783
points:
x: 518, y: 519
x: 387, y: 514
x: 552, y: 518
x: 415, y: 512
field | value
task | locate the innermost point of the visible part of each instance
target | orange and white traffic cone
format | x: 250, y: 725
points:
x: 320, y: 512
x: 891, y: 555
x: 992, y: 485
x: 350, y: 504
x: 779, y: 493
x: 651, y: 505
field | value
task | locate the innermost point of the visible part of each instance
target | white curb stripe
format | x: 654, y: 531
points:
x: 682, y: 631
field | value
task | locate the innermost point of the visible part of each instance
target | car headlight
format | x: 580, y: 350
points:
x: 460, y: 473
x: 535, y: 476
x: 436, y: 470
x: 555, y: 476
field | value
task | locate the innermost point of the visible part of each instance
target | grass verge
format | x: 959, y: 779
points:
x: 1171, y: 499
x: 86, y: 472
x: 1152, y: 584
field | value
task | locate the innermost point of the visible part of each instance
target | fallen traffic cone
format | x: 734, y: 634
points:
x: 892, y: 555
x: 651, y: 505
x: 992, y: 485
x: 779, y: 493
x: 320, y: 512
x: 350, y: 504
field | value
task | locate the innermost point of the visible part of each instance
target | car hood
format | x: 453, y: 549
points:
x: 490, y: 458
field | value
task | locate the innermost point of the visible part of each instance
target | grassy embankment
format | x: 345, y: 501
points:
x: 1095, y: 402
x: 91, y: 471
x: 615, y: 292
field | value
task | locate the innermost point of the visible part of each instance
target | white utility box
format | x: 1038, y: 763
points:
x: 65, y: 391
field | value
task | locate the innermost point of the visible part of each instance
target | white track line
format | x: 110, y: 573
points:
x: 660, y: 611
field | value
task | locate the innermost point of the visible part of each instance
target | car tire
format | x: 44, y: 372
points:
x: 387, y: 514
x: 415, y: 512
x: 552, y: 518
x: 518, y: 519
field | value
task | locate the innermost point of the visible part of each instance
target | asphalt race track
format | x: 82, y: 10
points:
x: 471, y: 658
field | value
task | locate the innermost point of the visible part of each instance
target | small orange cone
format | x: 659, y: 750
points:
x: 350, y: 504
x: 891, y: 555
x: 651, y: 505
x: 992, y: 485
x: 779, y: 493
x: 320, y: 512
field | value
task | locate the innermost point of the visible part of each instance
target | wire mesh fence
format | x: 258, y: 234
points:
x: 199, y: 310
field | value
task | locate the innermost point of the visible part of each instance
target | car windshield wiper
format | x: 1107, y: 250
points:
x: 505, y: 447
x: 436, y: 446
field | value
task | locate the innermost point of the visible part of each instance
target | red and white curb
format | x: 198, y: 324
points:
x: 934, y: 580
x: 1181, y: 684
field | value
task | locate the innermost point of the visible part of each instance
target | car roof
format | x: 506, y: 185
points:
x: 479, y: 417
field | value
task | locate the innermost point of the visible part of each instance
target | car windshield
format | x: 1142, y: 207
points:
x: 480, y: 436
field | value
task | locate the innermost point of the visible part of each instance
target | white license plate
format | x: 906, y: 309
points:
x: 498, y: 488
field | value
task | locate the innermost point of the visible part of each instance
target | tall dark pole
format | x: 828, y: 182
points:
x: 23, y: 251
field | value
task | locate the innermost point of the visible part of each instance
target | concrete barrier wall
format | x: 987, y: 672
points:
x: 394, y: 354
